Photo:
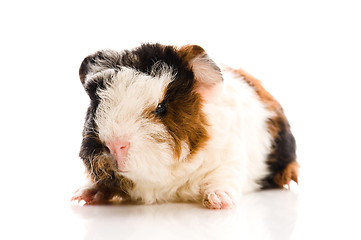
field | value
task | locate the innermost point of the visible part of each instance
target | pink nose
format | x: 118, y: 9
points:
x: 119, y: 149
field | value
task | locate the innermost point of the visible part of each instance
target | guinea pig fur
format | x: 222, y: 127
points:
x: 165, y: 124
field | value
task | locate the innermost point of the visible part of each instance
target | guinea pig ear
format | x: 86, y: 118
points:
x: 97, y: 62
x: 208, y: 76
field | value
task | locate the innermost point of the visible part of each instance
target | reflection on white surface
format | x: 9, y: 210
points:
x: 262, y: 215
x: 274, y: 215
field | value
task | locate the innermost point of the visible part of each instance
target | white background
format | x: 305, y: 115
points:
x: 307, y: 53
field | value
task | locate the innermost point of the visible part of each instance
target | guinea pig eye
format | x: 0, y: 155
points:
x: 161, y: 110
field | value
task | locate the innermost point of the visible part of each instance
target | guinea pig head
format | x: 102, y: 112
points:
x: 146, y: 113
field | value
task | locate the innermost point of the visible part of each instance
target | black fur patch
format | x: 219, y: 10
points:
x: 106, y: 59
x: 283, y: 153
x: 144, y: 57
x: 91, y: 145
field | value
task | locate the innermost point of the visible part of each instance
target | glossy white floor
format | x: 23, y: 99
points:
x: 305, y: 214
x: 306, y: 53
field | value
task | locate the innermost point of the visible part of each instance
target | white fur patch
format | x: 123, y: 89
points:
x: 241, y: 141
x: 121, y: 114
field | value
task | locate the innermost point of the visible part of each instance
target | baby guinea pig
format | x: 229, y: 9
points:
x: 165, y: 124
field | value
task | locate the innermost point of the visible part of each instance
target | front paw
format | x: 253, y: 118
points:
x: 89, y: 195
x: 218, y: 200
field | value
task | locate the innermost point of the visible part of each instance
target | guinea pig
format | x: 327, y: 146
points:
x: 166, y: 124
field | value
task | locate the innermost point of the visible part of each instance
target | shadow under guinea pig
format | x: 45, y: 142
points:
x: 261, y: 215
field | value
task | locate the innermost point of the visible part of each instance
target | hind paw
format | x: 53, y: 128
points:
x: 290, y: 173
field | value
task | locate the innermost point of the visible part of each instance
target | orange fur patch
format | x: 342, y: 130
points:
x: 289, y: 173
x: 186, y: 122
x: 188, y: 52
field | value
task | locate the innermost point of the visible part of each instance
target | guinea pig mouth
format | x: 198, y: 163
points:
x: 120, y: 163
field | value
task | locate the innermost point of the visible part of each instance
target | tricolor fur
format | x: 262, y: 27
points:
x: 166, y: 124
